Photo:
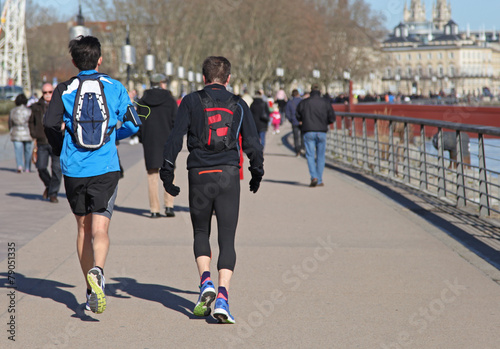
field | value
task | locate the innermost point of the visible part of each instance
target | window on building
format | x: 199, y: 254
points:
x: 440, y: 70
x: 429, y: 70
x: 452, y: 71
x: 388, y: 72
x: 429, y: 55
x: 419, y: 56
x: 398, y: 57
x: 451, y: 55
x: 440, y: 55
x: 408, y: 56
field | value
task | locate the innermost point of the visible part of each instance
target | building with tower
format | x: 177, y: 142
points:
x: 434, y: 56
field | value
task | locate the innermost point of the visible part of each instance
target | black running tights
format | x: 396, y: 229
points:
x: 215, y: 189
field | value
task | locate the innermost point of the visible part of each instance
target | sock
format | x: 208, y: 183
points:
x: 102, y: 271
x: 222, y: 293
x: 204, y: 277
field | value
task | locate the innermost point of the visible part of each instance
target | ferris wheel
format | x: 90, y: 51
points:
x: 14, y: 67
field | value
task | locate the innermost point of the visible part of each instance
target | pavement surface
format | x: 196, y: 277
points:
x: 357, y: 263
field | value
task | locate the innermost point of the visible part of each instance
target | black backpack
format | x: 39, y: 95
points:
x: 221, y: 128
x: 90, y: 113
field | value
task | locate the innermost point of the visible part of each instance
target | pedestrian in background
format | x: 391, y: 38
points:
x: 19, y: 129
x: 315, y: 114
x: 157, y: 109
x: 260, y: 112
x: 290, y: 109
x: 51, y: 180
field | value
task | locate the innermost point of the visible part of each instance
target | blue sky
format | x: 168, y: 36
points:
x: 476, y: 13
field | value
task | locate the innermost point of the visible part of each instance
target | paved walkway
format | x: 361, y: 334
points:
x: 343, y: 266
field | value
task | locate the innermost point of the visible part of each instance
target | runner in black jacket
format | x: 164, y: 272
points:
x: 214, y: 184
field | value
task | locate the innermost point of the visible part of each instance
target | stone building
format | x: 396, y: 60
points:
x: 434, y: 56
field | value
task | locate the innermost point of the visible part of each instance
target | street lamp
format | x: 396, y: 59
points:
x: 398, y: 79
x: 191, y: 79
x: 180, y: 75
x: 199, y: 78
x: 280, y: 72
x: 79, y: 28
x: 128, y: 54
x: 169, y: 68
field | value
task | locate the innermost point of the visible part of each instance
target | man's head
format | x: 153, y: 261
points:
x: 158, y: 80
x: 295, y: 93
x: 47, y: 91
x: 216, y: 70
x: 314, y: 87
x: 86, y: 52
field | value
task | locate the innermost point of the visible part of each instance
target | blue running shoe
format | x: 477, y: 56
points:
x: 97, y: 299
x: 87, y: 305
x: 207, y: 296
x: 221, y: 312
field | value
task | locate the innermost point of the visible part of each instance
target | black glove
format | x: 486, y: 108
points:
x: 257, y: 174
x: 167, y: 176
x: 255, y: 183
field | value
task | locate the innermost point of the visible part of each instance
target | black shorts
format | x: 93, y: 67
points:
x: 92, y: 194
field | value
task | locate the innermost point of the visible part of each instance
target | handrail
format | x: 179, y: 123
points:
x: 391, y: 146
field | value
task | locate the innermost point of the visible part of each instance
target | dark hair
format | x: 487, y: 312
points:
x: 216, y: 69
x: 85, y: 51
x: 295, y: 93
x: 315, y: 87
x: 21, y: 99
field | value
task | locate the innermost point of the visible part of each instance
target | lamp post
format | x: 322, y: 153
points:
x: 199, y: 78
x: 280, y: 72
x: 191, y: 79
x: 347, y: 79
x: 128, y: 55
x: 169, y: 68
x: 434, y: 79
x: 180, y: 75
x: 149, y: 61
x: 415, y: 85
x: 79, y: 28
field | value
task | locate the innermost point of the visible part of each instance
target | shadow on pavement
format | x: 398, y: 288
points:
x: 144, y: 212
x: 165, y: 295
x: 31, y: 196
x: 47, y: 289
x: 285, y: 182
x: 8, y: 169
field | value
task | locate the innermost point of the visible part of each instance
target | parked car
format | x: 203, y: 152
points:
x: 10, y: 92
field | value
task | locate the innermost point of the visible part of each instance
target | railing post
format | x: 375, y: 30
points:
x: 335, y: 138
x: 344, y: 140
x: 423, y: 160
x: 377, y: 147
x: 484, y: 207
x: 354, y: 143
x: 460, y: 173
x: 393, y: 171
x: 441, y: 168
x: 365, y: 144
x: 406, y: 154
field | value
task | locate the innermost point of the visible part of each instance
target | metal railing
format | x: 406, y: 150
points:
x: 402, y: 149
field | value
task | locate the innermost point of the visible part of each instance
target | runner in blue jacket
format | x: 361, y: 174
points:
x: 90, y: 175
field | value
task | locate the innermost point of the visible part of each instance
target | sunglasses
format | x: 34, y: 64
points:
x: 47, y: 92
